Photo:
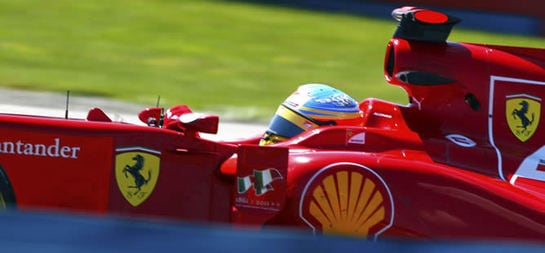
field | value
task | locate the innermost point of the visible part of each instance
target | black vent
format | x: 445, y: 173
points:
x: 422, y: 78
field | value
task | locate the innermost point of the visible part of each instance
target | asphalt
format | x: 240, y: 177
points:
x: 55, y: 104
x: 58, y: 100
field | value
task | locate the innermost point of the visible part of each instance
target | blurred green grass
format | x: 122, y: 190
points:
x: 234, y: 58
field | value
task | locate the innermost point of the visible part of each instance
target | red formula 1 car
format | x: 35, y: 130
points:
x: 464, y: 159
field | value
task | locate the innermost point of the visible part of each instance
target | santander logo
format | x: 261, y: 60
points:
x: 54, y: 149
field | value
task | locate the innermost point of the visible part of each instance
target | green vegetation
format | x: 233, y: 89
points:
x: 222, y: 56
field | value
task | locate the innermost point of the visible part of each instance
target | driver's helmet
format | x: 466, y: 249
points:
x: 311, y: 106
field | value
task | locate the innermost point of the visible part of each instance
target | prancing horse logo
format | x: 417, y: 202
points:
x: 136, y: 172
x: 523, y: 112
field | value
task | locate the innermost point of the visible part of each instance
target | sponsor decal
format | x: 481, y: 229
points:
x: 522, y: 113
x: 336, y: 99
x: 532, y: 167
x: 260, y: 180
x: 347, y: 198
x: 308, y: 124
x: 136, y: 173
x: 383, y: 115
x: 530, y: 175
x: 461, y: 140
x: 355, y: 138
x: 54, y: 149
x: 514, y: 111
x: 63, y: 168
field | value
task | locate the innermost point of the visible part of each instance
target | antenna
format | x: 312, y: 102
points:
x: 162, y: 115
x: 67, y: 102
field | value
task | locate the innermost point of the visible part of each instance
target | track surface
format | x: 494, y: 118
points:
x: 54, y: 104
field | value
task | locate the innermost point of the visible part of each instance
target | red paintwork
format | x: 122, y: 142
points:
x: 448, y: 165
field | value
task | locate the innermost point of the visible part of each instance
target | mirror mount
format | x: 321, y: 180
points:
x: 152, y: 116
x: 180, y: 118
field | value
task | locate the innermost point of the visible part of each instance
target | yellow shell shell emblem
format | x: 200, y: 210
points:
x: 136, y: 173
x: 349, y: 200
x: 522, y: 113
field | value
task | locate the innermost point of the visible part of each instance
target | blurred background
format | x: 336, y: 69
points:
x: 501, y: 16
x: 236, y: 58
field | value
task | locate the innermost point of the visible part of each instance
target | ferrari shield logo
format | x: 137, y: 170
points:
x: 136, y: 172
x: 522, y: 113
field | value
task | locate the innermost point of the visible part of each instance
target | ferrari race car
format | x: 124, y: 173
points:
x: 464, y: 159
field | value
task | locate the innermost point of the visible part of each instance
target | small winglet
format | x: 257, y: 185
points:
x: 97, y: 114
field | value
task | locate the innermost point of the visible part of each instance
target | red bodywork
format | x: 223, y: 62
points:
x: 464, y: 159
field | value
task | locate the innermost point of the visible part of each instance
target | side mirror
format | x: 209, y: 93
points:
x: 180, y: 118
x: 197, y: 122
x: 151, y: 116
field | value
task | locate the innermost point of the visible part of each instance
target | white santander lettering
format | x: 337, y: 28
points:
x: 55, y: 149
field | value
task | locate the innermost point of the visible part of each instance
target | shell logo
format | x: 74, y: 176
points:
x: 347, y: 199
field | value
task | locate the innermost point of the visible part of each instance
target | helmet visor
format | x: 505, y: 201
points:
x: 288, y: 123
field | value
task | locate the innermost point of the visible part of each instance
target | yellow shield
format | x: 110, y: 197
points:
x: 136, y: 173
x: 522, y: 113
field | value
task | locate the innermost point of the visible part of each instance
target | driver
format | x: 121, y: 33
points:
x: 311, y: 106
